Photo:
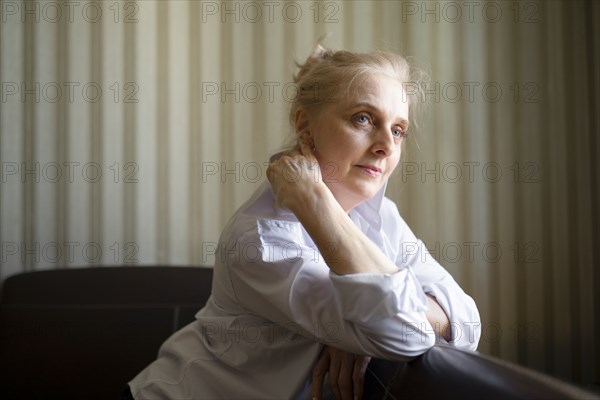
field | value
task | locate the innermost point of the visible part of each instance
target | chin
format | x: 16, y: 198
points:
x: 363, y: 195
x: 368, y: 192
x: 354, y: 195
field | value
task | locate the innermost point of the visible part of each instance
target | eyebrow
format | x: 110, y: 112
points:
x: 373, y: 107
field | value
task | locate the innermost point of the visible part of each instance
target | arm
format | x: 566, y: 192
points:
x: 352, y: 246
x: 298, y: 186
x: 327, y: 224
x: 438, y: 319
x: 452, y: 307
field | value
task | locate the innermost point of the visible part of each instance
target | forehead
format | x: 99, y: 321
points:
x: 380, y: 91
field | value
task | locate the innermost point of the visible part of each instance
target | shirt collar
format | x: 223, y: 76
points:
x: 370, y: 209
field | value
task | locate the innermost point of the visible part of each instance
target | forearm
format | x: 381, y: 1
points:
x: 344, y: 247
x: 438, y: 318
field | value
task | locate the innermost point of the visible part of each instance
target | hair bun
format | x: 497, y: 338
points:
x: 318, y: 55
x: 322, y: 52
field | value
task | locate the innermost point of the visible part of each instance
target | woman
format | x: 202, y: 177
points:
x: 317, y: 272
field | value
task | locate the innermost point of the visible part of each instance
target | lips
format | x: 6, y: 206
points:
x: 370, y: 169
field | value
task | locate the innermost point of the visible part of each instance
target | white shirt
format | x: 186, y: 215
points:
x: 274, y: 303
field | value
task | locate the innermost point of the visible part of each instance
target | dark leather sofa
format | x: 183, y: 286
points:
x: 83, y: 333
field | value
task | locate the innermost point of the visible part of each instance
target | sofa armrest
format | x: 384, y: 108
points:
x: 445, y: 372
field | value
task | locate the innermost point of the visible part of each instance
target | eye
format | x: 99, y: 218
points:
x: 362, y: 118
x: 401, y: 130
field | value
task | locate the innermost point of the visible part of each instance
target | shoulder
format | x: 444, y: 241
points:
x: 258, y: 228
x: 259, y: 210
x: 265, y: 231
x: 260, y: 217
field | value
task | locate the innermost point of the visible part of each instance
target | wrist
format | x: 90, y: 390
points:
x: 311, y: 202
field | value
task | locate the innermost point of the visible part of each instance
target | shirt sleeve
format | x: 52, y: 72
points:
x: 286, y: 281
x: 435, y: 280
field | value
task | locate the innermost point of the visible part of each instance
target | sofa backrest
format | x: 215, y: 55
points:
x: 83, y: 333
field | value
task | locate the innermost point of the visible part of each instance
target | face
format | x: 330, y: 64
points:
x: 357, y: 141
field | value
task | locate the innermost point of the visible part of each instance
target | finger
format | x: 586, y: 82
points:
x: 345, y: 377
x: 334, y: 373
x: 358, y: 376
x: 274, y: 168
x: 306, y: 149
x: 294, y: 153
x: 311, y: 160
x: 319, y: 371
x: 271, y: 172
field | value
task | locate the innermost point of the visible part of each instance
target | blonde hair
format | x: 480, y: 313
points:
x: 328, y: 75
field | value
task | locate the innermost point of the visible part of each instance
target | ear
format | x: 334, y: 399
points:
x: 302, y: 124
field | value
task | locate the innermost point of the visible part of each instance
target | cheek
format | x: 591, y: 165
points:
x: 329, y: 172
x: 394, y: 163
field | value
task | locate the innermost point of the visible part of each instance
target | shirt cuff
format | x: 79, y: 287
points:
x: 368, y: 297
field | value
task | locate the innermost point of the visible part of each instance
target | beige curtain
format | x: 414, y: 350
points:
x: 132, y: 130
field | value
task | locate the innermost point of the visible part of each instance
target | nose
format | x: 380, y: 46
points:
x: 383, y: 143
